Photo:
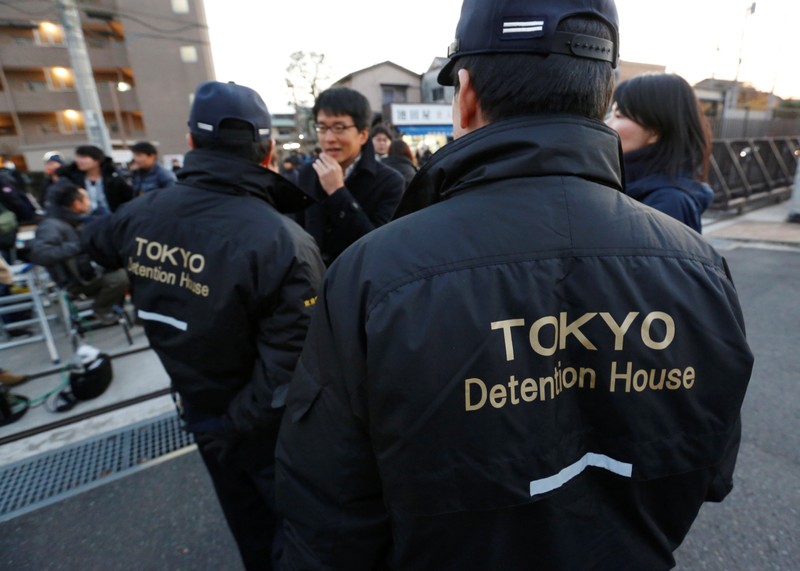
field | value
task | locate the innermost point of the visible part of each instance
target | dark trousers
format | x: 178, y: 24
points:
x: 107, y: 290
x: 245, y: 486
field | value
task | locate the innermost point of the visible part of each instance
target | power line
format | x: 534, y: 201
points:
x: 129, y: 13
x: 132, y: 15
x: 128, y: 16
x: 35, y: 13
x: 136, y: 36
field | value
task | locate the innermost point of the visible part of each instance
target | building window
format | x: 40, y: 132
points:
x: 438, y: 93
x: 49, y: 34
x: 59, y: 78
x: 7, y: 125
x: 188, y: 54
x: 100, y: 43
x: 36, y: 85
x: 70, y: 122
x: 180, y: 6
x: 393, y: 94
x: 49, y: 127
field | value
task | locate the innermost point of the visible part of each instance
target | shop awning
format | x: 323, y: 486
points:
x: 446, y: 130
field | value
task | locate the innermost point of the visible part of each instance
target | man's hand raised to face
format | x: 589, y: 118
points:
x: 331, y: 175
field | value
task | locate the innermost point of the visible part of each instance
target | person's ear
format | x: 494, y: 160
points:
x: 267, y: 162
x: 467, y: 101
x: 190, y: 140
x: 653, y: 138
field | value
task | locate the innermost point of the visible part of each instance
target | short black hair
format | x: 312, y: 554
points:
x: 344, y: 101
x: 145, y: 148
x: 381, y: 130
x: 91, y: 151
x: 234, y: 145
x: 666, y: 103
x: 66, y: 193
x: 510, y: 85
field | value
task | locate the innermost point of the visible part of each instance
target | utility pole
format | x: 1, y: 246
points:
x: 735, y: 95
x: 84, y: 79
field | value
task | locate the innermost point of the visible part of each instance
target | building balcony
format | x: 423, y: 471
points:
x: 34, y: 139
x: 26, y: 56
x: 38, y: 102
x: 30, y: 56
x: 126, y: 100
x: 49, y: 101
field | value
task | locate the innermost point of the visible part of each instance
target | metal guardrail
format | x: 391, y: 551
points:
x: 748, y: 170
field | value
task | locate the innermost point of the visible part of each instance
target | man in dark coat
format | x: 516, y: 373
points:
x: 14, y: 197
x: 57, y: 247
x: 355, y: 193
x: 148, y: 174
x: 225, y: 285
x: 536, y: 372
x: 95, y: 172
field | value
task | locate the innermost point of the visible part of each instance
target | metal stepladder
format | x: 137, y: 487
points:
x: 29, y: 298
x: 78, y: 317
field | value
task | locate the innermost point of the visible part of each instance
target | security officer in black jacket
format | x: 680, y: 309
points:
x: 536, y: 372
x: 225, y: 285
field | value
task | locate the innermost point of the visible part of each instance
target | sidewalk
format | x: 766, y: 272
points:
x: 764, y: 227
x: 137, y: 372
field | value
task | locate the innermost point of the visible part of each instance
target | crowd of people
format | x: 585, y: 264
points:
x: 504, y: 358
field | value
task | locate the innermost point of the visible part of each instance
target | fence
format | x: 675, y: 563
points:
x: 747, y: 170
x: 753, y: 127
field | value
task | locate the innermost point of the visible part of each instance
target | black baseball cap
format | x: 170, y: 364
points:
x: 215, y: 101
x: 529, y: 26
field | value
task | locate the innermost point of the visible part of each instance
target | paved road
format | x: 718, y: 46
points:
x: 758, y: 527
x: 166, y: 517
x: 162, y: 518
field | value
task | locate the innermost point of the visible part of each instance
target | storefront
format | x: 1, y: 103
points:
x: 424, y: 126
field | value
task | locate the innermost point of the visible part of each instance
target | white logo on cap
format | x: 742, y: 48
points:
x: 263, y: 131
x: 205, y: 126
x: 523, y: 27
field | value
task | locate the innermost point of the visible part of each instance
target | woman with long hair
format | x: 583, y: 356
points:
x: 666, y: 145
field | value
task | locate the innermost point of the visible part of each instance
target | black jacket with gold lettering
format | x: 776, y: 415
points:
x: 535, y: 372
x: 223, y: 283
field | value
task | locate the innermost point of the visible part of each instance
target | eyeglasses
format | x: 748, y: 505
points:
x: 337, y: 129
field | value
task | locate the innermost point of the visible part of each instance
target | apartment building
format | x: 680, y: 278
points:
x: 146, y: 56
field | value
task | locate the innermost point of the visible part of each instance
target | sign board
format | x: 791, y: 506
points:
x: 421, y: 114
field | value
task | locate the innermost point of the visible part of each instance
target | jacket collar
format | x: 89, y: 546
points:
x: 228, y: 174
x: 542, y: 145
x: 67, y: 215
x: 366, y: 160
x: 643, y: 163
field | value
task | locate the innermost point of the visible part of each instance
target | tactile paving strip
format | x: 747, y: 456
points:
x: 52, y: 476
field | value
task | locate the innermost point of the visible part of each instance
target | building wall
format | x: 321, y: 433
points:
x: 370, y: 82
x: 138, y: 42
x: 432, y: 92
x: 629, y: 69
x: 164, y: 81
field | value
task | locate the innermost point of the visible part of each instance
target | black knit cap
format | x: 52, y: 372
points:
x: 529, y: 26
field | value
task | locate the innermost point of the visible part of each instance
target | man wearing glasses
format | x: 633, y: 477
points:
x: 355, y: 193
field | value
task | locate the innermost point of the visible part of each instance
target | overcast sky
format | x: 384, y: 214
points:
x: 251, y: 40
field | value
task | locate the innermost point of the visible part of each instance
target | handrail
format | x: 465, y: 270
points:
x: 748, y: 170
